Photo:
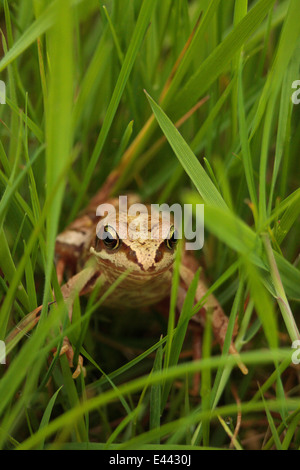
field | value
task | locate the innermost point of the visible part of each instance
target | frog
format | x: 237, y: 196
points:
x: 93, y: 254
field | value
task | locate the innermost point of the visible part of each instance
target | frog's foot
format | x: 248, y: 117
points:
x: 68, y: 351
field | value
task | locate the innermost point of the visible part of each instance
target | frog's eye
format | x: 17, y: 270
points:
x: 172, y: 239
x: 110, y: 238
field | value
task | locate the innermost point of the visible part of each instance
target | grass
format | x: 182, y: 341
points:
x: 190, y: 102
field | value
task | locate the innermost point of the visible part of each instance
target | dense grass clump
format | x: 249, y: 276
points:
x: 191, y: 102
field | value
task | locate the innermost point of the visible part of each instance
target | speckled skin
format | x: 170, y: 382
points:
x: 149, y: 260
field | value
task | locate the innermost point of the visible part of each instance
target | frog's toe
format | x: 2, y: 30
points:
x: 79, y: 368
x: 68, y: 351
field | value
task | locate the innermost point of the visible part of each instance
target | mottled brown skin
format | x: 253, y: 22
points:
x: 150, y: 262
x: 86, y: 260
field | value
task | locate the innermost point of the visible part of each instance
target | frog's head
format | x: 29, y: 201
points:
x: 144, y: 243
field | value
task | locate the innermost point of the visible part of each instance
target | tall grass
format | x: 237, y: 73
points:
x: 190, y: 102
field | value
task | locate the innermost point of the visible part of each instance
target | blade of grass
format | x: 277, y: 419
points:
x: 280, y: 292
x: 9, y: 270
x: 189, y: 53
x: 135, y: 43
x: 220, y: 58
x: 130, y: 364
x: 288, y: 39
x: 73, y: 399
x: 262, y: 203
x: 12, y: 85
x: 70, y: 416
x: 127, y: 420
x: 172, y: 309
x: 59, y: 132
x: 121, y: 60
x: 237, y: 235
x: 155, y: 395
x: 290, y: 432
x: 180, y: 332
x: 272, y: 425
x: 205, y: 390
x: 47, y: 413
x: 30, y: 285
x: 246, y: 154
x: 36, y: 29
x: 230, y: 434
x: 187, y: 158
x: 284, y: 116
x: 287, y: 220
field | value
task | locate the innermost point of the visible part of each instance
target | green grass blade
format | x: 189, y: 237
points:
x: 155, y: 395
x: 180, y: 332
x: 47, y: 414
x: 68, y: 418
x: 246, y: 153
x: 288, y: 40
x: 59, y: 132
x: 36, y: 29
x: 220, y: 58
x: 136, y: 40
x: 187, y: 158
x: 272, y: 426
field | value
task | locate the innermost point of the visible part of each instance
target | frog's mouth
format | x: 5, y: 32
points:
x: 136, y: 270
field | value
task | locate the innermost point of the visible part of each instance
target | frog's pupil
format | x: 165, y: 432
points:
x: 109, y: 239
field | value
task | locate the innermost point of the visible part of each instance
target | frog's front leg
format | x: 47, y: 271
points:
x: 219, y: 319
x: 80, y: 284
